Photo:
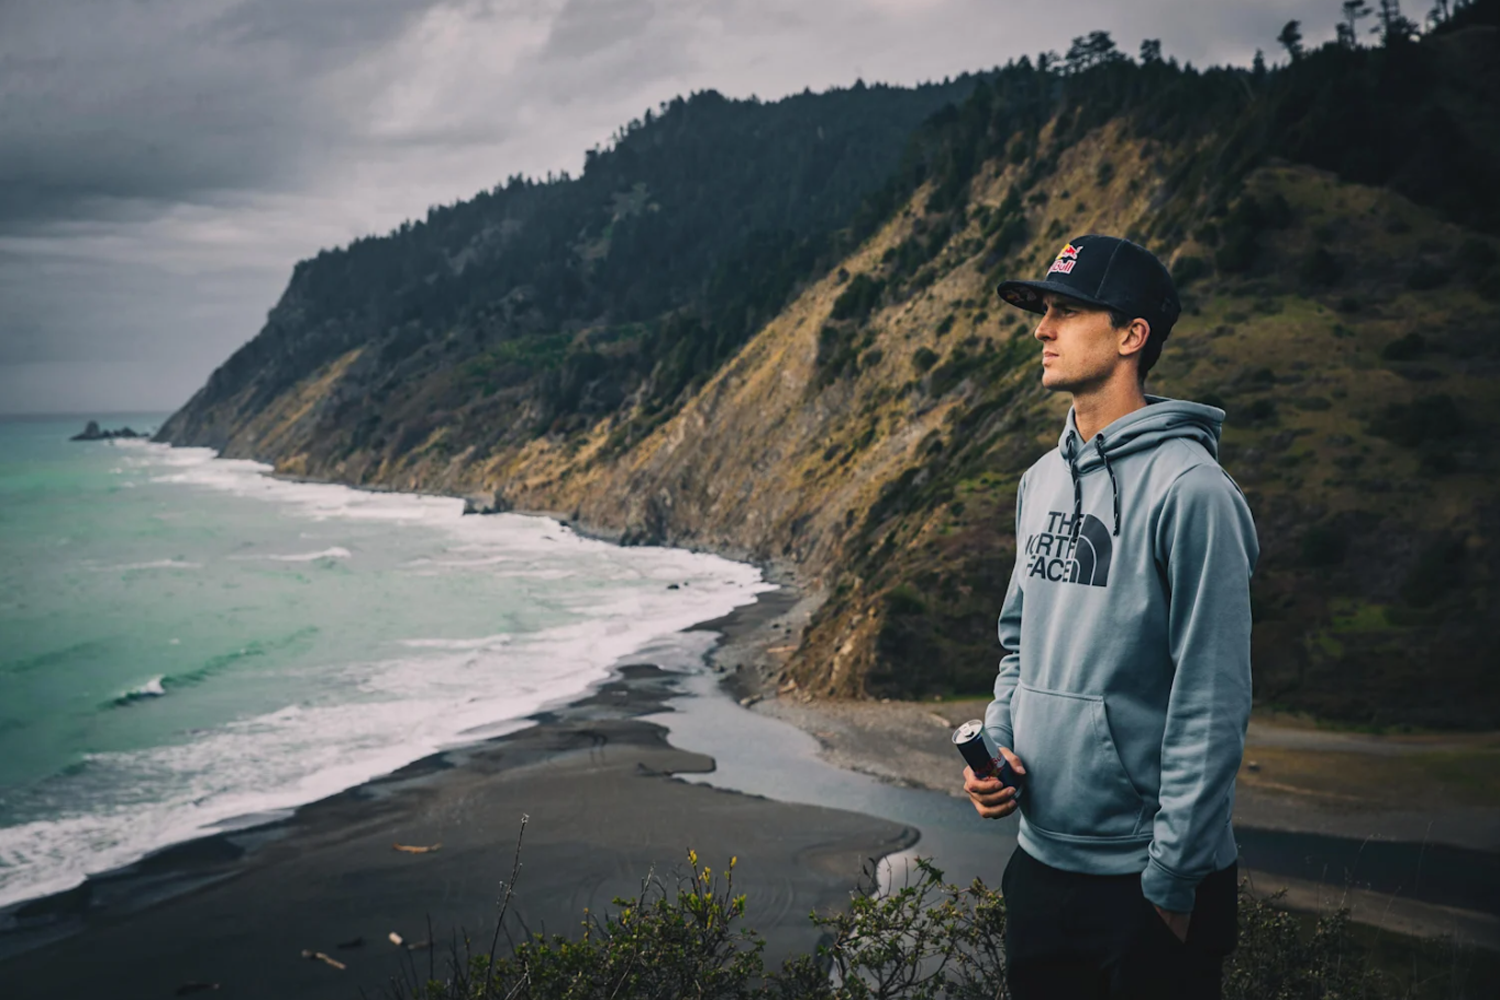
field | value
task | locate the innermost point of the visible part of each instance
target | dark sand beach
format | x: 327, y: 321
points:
x: 596, y: 781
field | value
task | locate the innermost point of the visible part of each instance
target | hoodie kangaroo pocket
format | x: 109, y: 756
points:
x: 1076, y: 787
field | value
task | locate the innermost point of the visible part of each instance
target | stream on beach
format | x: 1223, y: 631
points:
x: 765, y: 756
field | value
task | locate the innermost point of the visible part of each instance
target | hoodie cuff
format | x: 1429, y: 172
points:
x: 1169, y: 891
x: 999, y: 738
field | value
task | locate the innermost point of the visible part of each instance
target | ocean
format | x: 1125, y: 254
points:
x: 188, y: 644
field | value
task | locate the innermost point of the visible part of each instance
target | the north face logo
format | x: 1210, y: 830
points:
x: 1056, y: 555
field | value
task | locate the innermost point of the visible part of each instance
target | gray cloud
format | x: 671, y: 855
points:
x: 107, y: 108
x: 164, y: 163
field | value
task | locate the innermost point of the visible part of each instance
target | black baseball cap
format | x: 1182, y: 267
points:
x: 1108, y: 272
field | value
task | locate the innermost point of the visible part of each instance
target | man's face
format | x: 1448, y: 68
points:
x: 1080, y: 347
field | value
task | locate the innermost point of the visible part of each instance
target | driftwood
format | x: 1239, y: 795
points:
x: 417, y: 849
x: 326, y: 959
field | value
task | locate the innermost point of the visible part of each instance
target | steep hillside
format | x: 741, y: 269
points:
x: 1341, y: 306
x: 539, y: 306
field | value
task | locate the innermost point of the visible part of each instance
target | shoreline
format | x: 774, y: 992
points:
x: 257, y: 742
x: 329, y: 874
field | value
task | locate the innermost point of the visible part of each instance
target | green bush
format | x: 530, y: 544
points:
x: 1427, y: 276
x: 1188, y: 270
x: 837, y: 354
x: 903, y: 600
x: 1322, y: 268
x: 1323, y: 545
x: 859, y: 299
x: 1438, y: 568
x: 1404, y: 348
x: 1435, y: 418
x: 921, y: 939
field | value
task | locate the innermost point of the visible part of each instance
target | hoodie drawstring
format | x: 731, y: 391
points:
x: 1113, y: 483
x: 1077, y: 491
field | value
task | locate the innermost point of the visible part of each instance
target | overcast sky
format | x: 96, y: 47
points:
x: 164, y: 163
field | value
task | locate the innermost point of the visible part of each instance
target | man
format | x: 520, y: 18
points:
x: 1124, y: 691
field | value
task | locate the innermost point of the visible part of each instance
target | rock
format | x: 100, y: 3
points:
x: 91, y: 432
x: 496, y: 503
x: 750, y: 700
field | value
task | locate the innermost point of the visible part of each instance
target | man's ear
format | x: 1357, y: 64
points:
x: 1133, y: 337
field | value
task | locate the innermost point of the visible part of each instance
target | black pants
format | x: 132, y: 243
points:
x: 1070, y: 935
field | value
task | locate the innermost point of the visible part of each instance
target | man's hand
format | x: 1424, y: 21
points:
x: 991, y: 799
x: 1176, y: 922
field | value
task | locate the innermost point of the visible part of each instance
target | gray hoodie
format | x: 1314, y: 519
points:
x: 1125, y: 685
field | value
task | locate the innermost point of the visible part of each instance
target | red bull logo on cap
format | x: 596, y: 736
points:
x: 1067, y: 257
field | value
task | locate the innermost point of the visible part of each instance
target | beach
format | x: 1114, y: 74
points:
x: 604, y: 808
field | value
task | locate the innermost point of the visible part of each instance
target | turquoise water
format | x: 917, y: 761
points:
x: 187, y: 643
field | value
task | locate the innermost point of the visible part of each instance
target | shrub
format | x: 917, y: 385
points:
x: 1323, y: 545
x: 1437, y: 568
x: 1322, y: 268
x: 838, y: 354
x: 1259, y: 411
x: 859, y: 299
x: 924, y: 358
x: 904, y: 600
x: 1404, y: 348
x: 1476, y: 256
x: 922, y: 939
x: 1431, y: 418
x: 1188, y: 270
x: 1426, y: 276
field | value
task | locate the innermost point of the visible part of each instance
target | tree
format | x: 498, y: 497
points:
x: 1258, y: 65
x: 1087, y: 51
x: 1150, y: 51
x: 1349, y: 30
x: 1291, y: 39
x: 1395, y: 28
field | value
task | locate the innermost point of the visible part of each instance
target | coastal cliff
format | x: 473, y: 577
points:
x: 769, y: 329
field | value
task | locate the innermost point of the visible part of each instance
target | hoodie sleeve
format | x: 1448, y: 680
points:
x: 1207, y: 546
x: 997, y: 715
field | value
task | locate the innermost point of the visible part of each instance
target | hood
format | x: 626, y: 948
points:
x: 1161, y: 419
